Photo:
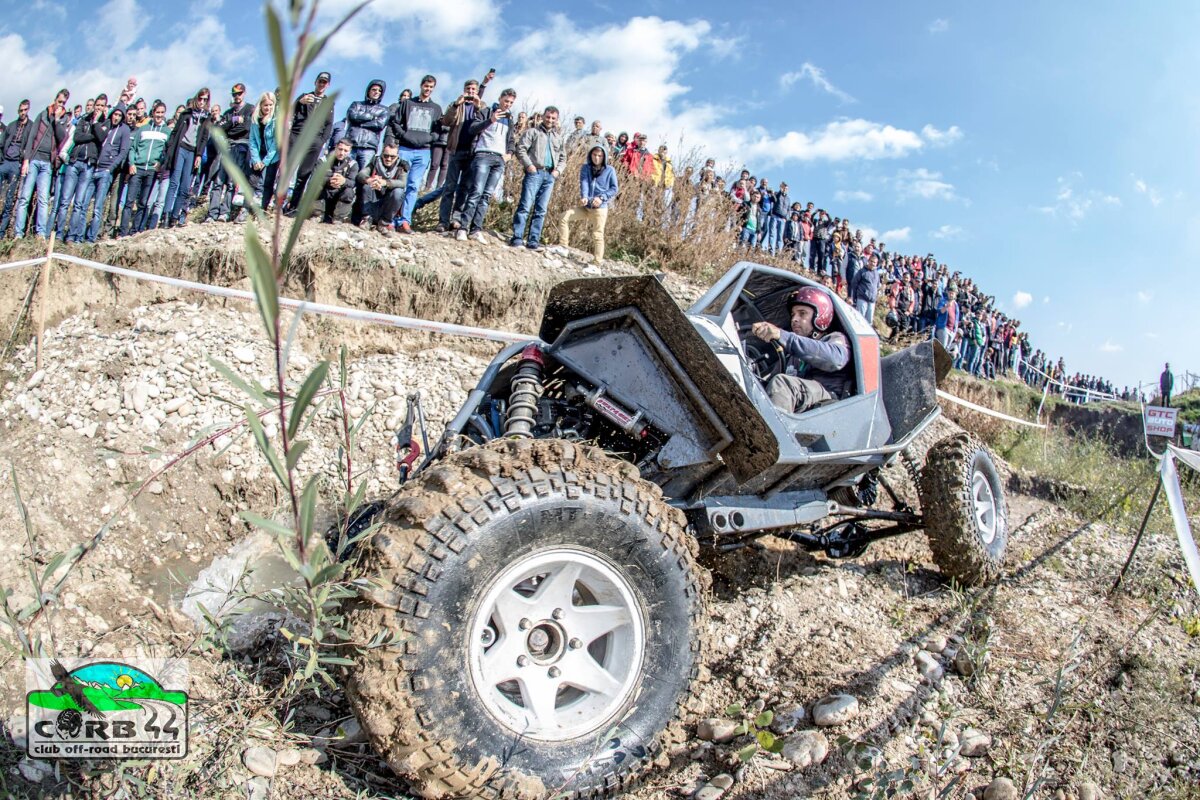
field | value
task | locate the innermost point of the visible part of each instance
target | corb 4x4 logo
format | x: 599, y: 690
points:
x: 106, y: 709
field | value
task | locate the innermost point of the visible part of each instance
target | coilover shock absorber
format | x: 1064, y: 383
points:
x: 524, y: 393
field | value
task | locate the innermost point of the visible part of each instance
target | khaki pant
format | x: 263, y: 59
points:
x: 797, y: 395
x: 595, y: 217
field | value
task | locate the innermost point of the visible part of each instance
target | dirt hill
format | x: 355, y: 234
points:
x: 1043, y: 679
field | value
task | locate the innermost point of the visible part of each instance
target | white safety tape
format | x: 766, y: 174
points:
x: 1170, y: 482
x: 985, y: 410
x: 392, y: 320
x: 1068, y: 389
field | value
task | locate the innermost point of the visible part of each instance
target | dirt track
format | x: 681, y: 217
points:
x: 787, y: 628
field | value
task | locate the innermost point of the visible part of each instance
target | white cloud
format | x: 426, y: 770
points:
x: 1022, y: 299
x: 1152, y: 194
x: 939, y: 138
x: 383, y: 24
x: 948, y: 233
x: 816, y: 76
x: 896, y: 235
x: 1144, y: 297
x: 1046, y: 300
x: 565, y: 65
x: 923, y: 183
x: 171, y: 70
x: 1110, y: 346
x: 1074, y: 204
x: 852, y: 196
x: 939, y: 25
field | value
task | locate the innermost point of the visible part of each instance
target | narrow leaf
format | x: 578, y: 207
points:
x: 294, y: 453
x: 269, y: 525
x: 312, y: 384
x: 747, y: 752
x: 262, y: 280
x: 260, y: 436
x: 251, y: 388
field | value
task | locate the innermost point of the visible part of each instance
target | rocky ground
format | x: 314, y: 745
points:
x: 873, y: 668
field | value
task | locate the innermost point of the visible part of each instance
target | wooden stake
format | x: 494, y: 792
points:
x: 43, y: 288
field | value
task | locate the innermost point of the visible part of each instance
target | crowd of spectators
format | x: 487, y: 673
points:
x: 93, y: 171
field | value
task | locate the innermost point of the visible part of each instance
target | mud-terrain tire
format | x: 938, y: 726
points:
x: 966, y: 517
x: 449, y: 565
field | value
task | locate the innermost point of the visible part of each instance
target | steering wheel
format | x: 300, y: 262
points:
x: 767, y: 359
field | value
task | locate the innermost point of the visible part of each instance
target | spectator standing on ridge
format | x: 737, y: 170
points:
x: 781, y: 207
x: 90, y: 133
x: 235, y: 122
x: 337, y: 194
x: 189, y: 140
x: 865, y: 290
x: 493, y: 135
x: 11, y: 150
x: 366, y: 121
x: 411, y: 126
x: 113, y: 152
x: 264, y: 148
x: 381, y: 190
x: 146, y: 152
x: 44, y: 136
x: 306, y: 104
x: 575, y: 140
x: 456, y: 184
x: 597, y: 188
x: 663, y: 174
x: 1166, y: 383
x: 540, y: 151
x: 946, y: 322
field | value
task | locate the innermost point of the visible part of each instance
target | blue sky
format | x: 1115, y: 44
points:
x: 1046, y: 149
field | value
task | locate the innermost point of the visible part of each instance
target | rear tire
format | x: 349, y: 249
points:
x: 966, y: 517
x: 468, y: 703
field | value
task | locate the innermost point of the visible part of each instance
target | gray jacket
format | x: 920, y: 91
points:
x: 531, y: 148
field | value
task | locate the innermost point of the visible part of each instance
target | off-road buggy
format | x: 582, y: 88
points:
x: 538, y: 569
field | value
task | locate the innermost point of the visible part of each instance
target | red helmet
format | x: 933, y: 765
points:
x: 818, y: 301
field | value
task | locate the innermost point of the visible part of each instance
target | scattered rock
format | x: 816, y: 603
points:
x: 935, y: 644
x: 716, y: 730
x: 975, y: 742
x: 708, y: 792
x: 834, y: 710
x: 1000, y: 789
x: 1120, y: 762
x: 288, y: 758
x: 806, y: 748
x: 963, y: 663
x: 36, y: 379
x: 1090, y: 791
x: 258, y: 789
x: 244, y: 354
x: 18, y: 729
x: 929, y: 667
x: 723, y: 781
x: 260, y: 760
x: 787, y: 719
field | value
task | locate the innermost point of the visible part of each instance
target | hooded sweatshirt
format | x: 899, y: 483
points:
x: 115, y: 146
x: 90, y: 134
x: 367, y: 118
x: 600, y: 183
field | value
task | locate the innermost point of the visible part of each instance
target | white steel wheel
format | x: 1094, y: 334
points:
x: 985, y: 506
x: 555, y: 647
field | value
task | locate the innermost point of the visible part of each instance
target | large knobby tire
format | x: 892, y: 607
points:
x: 499, y: 570
x: 966, y: 517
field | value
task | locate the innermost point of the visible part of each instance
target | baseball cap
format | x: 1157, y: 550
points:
x: 325, y: 76
x: 238, y: 88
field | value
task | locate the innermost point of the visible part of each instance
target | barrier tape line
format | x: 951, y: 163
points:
x: 299, y: 305
x: 1071, y: 389
x: 1169, y: 476
x: 372, y: 316
x: 984, y: 410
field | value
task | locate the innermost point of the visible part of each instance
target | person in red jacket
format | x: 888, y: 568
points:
x: 637, y: 159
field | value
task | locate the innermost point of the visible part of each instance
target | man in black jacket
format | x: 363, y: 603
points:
x: 366, y: 120
x: 338, y: 192
x: 189, y: 138
x: 10, y: 160
x: 381, y: 190
x: 111, y: 154
x: 236, y: 124
x: 306, y: 162
x: 43, y: 138
x: 411, y: 127
x: 90, y: 132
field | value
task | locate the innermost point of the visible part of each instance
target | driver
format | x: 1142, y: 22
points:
x: 817, y: 359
